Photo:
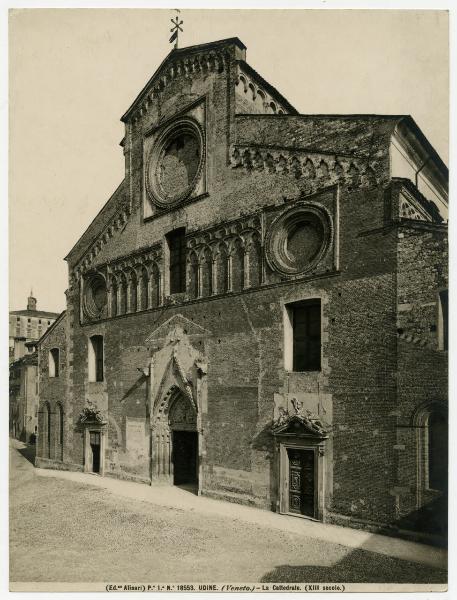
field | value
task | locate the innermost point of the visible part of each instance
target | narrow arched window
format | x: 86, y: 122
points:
x: 133, y: 292
x: 95, y: 358
x: 114, y: 307
x: 60, y: 431
x: 46, y: 430
x: 54, y: 362
x: 437, y: 451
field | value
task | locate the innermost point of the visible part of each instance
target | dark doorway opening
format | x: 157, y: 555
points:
x: 301, y: 482
x: 185, y: 452
x: 95, y: 447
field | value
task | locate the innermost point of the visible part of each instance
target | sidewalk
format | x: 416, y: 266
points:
x: 174, y: 497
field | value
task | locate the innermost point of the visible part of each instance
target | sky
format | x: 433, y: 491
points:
x: 74, y: 72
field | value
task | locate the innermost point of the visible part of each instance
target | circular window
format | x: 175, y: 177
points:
x: 298, y: 239
x: 175, y: 163
x: 96, y: 296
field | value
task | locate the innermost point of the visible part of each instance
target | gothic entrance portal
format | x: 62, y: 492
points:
x: 176, y: 441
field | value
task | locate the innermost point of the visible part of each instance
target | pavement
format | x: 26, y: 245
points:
x: 182, y: 499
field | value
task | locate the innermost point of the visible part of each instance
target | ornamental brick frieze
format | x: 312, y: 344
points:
x: 315, y: 169
x: 128, y: 285
x: 187, y: 68
x: 252, y: 91
x: 225, y: 259
x: 116, y: 223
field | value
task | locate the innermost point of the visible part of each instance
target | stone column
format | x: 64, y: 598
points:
x: 214, y: 277
x: 200, y: 280
x: 139, y: 293
x: 110, y: 301
x: 128, y: 308
x: 229, y: 273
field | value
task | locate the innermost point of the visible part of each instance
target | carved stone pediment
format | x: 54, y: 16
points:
x: 175, y: 326
x: 300, y: 424
x: 174, y: 377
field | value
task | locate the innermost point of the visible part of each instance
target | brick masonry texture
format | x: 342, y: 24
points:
x: 373, y: 377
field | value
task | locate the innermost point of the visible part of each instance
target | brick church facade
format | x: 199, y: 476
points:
x: 260, y: 309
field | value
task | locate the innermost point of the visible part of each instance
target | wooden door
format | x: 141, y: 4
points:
x: 301, y: 481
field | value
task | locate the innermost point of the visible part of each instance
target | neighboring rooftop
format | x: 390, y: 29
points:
x: 31, y: 310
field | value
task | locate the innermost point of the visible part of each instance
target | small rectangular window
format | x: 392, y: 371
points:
x: 303, y: 336
x: 177, y: 249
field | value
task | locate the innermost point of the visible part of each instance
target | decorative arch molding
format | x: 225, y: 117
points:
x: 421, y: 412
x: 182, y: 386
x: 313, y: 168
x: 419, y: 420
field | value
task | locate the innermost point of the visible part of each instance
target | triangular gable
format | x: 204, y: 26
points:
x: 174, y: 375
x: 177, y: 321
x: 167, y: 70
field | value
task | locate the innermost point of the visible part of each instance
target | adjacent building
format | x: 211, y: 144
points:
x: 260, y: 309
x: 25, y: 328
x: 27, y: 325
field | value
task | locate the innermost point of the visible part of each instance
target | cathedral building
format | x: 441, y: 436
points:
x: 260, y: 309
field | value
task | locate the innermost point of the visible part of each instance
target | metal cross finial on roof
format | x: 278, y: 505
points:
x: 176, y: 28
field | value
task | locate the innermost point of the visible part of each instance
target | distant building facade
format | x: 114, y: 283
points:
x: 23, y: 404
x: 260, y: 309
x: 25, y: 328
x: 27, y: 325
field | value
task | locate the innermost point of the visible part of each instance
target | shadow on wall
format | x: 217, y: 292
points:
x: 431, y: 519
x: 264, y: 442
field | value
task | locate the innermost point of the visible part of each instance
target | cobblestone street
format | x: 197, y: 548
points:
x: 68, y: 531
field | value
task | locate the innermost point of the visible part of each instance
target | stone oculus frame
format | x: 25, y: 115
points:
x: 302, y: 239
x: 189, y: 126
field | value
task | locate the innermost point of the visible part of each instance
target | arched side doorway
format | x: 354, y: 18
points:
x: 430, y: 421
x: 175, y: 441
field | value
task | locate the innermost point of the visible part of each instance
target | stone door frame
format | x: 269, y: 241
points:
x: 162, y: 439
x: 318, y: 448
x: 97, y: 428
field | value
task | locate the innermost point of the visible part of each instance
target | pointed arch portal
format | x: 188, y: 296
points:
x: 175, y: 440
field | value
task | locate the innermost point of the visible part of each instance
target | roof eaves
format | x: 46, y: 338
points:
x: 76, y: 245
x: 411, y: 123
